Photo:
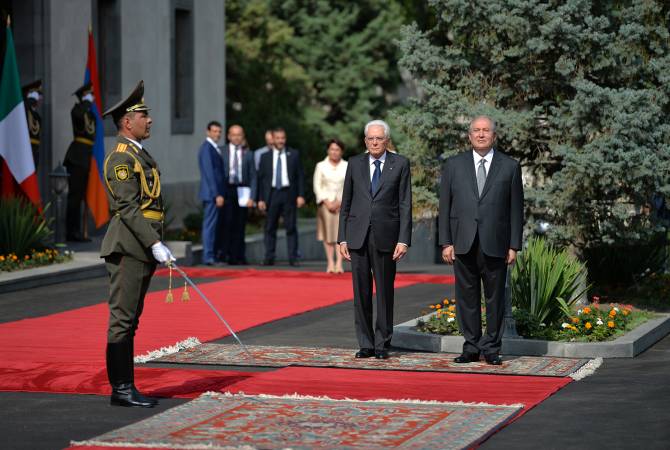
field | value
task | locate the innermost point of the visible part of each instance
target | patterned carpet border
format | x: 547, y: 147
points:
x: 238, y: 421
x: 284, y: 356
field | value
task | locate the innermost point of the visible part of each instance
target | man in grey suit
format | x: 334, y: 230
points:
x: 480, y: 229
x: 374, y: 233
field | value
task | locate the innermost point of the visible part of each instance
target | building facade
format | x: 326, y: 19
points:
x: 175, y: 46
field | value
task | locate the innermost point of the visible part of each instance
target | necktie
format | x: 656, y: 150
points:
x: 233, y: 170
x: 374, y: 185
x: 481, y: 176
x: 278, y: 172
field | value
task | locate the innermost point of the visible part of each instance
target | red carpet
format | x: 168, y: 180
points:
x: 79, y: 336
x: 199, y: 272
x: 370, y: 385
x: 66, y: 378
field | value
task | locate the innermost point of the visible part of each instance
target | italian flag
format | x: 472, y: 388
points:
x: 14, y: 139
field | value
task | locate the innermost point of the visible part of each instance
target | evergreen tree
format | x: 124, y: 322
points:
x: 319, y: 68
x: 580, y: 90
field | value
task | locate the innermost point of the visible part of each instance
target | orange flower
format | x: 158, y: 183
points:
x: 610, y: 324
x: 452, y: 308
x: 588, y: 325
x: 438, y: 306
x: 587, y: 310
x: 575, y: 320
x: 432, y: 306
x: 26, y: 257
x: 446, y: 301
x: 2, y: 258
x: 626, y: 312
x: 612, y: 313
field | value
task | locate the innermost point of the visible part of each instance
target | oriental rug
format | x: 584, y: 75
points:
x: 282, y: 356
x: 238, y: 421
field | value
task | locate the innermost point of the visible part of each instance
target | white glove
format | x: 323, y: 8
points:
x: 162, y: 254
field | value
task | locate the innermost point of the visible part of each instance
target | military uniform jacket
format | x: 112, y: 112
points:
x: 134, y: 192
x: 83, y: 128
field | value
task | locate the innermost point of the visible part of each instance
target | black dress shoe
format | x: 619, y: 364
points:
x: 494, y: 360
x: 365, y: 353
x: 466, y: 358
x: 294, y: 263
x: 382, y: 354
x: 126, y: 395
x: 268, y: 262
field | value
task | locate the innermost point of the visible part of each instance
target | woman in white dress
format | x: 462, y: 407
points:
x: 328, y: 184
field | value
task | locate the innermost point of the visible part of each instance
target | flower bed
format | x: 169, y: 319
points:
x: 594, y: 322
x: 35, y: 258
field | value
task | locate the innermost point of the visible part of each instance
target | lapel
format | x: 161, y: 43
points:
x: 388, y: 167
x: 365, y: 173
x: 493, y: 172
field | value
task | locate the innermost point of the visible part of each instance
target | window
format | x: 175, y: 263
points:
x: 108, y: 43
x: 182, y: 67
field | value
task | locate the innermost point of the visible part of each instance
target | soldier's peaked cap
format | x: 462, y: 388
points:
x: 133, y: 103
x: 32, y: 86
x: 83, y: 90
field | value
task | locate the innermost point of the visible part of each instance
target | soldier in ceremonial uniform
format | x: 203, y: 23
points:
x: 78, y: 159
x: 132, y: 246
x: 32, y: 95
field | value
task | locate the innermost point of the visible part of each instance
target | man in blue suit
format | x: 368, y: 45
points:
x: 240, y: 178
x: 212, y: 193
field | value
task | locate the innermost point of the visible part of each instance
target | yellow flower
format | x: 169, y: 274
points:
x: 438, y: 306
x: 588, y: 325
x: 452, y: 308
x: 2, y: 258
x: 14, y: 258
x: 610, y: 324
x: 587, y: 310
x: 626, y: 312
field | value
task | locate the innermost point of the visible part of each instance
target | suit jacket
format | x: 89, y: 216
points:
x: 296, y: 176
x: 388, y: 212
x: 497, y: 216
x: 249, y: 177
x: 212, y: 183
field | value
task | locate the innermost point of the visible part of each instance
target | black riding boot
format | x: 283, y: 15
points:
x: 120, y: 374
x: 131, y: 362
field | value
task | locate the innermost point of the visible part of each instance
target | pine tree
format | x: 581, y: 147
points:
x: 580, y: 90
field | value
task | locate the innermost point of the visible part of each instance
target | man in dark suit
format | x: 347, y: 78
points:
x: 374, y: 233
x: 240, y: 178
x: 281, y: 190
x: 212, y: 192
x: 78, y: 160
x: 480, y: 228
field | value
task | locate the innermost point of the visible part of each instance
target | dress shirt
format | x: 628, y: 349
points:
x: 135, y: 142
x: 372, y: 160
x: 211, y: 141
x: 284, y: 169
x: 487, y: 164
x: 232, y: 171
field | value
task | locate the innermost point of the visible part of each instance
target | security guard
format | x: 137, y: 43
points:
x: 32, y: 95
x: 132, y: 245
x: 78, y: 159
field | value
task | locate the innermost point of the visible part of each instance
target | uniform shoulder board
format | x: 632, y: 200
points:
x: 121, y: 147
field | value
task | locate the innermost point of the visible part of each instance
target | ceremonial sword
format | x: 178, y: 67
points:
x: 171, y: 264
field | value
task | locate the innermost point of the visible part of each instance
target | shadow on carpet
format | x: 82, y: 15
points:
x: 223, y: 421
x: 283, y: 356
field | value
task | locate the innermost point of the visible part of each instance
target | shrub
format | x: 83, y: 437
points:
x: 546, y: 282
x: 22, y: 227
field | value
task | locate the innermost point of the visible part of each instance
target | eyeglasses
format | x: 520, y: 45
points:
x: 375, y: 139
